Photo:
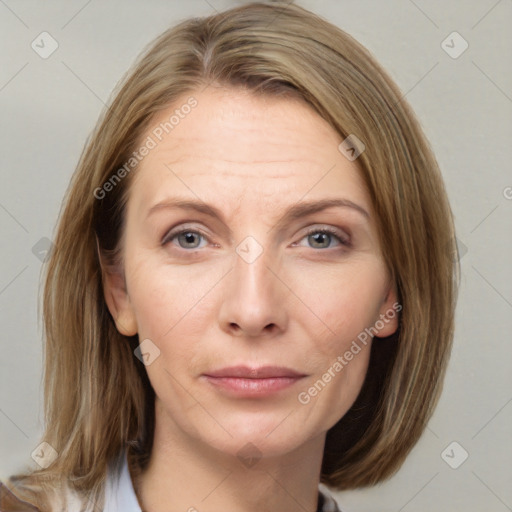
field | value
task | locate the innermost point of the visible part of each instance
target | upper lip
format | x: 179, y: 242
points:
x: 261, y: 372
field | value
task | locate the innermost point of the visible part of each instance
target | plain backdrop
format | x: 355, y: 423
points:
x: 464, y: 102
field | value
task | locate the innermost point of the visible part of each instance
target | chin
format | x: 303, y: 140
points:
x: 255, y: 436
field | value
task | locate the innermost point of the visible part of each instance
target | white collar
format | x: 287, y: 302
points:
x: 120, y: 494
x: 119, y: 491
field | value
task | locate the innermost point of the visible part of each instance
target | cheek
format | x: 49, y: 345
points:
x: 341, y: 383
x: 347, y: 300
x: 164, y: 297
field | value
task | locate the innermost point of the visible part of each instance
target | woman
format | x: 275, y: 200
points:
x: 252, y: 290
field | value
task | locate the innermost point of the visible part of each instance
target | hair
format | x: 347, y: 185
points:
x: 98, y: 399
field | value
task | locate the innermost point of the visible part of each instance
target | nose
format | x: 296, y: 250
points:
x: 254, y: 299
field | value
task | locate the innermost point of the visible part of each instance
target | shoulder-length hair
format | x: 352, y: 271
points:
x: 98, y: 400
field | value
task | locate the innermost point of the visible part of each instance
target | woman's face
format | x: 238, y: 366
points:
x: 252, y: 265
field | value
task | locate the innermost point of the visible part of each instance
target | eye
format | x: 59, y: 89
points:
x: 325, y: 238
x: 185, y: 239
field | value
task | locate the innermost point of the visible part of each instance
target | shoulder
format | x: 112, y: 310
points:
x: 9, y: 502
x: 33, y: 493
x: 57, y: 499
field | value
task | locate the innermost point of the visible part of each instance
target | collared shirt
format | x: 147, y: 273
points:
x: 120, y: 496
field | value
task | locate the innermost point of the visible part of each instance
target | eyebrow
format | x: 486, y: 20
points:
x: 295, y: 212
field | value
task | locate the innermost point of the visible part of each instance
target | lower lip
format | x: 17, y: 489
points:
x: 252, y: 387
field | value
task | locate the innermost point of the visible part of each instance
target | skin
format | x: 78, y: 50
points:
x: 299, y: 304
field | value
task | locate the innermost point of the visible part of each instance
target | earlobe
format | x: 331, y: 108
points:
x: 119, y: 304
x: 116, y: 297
x: 387, y: 322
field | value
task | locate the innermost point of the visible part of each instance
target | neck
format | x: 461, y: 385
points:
x: 184, y: 474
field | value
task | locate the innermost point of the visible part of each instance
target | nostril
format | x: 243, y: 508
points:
x: 270, y: 327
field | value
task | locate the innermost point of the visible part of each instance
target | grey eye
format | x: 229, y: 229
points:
x: 189, y: 239
x: 320, y: 240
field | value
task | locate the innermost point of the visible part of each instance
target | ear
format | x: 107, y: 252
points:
x: 117, y: 298
x: 387, y: 322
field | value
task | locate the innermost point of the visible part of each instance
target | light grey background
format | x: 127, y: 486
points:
x: 464, y: 104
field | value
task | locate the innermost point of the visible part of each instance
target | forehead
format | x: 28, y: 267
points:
x: 233, y: 140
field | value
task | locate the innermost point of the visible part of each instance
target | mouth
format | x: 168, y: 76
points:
x: 262, y: 372
x: 247, y: 382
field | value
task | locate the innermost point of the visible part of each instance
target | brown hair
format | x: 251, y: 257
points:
x: 98, y: 400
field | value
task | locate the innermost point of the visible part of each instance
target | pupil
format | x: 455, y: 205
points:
x: 321, y: 238
x: 189, y: 238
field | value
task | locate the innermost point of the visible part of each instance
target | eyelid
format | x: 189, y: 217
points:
x: 180, y: 228
x: 343, y: 237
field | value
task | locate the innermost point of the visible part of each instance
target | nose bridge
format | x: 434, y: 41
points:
x: 254, y: 300
x: 250, y: 270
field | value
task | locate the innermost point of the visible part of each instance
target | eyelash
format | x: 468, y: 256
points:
x: 326, y: 230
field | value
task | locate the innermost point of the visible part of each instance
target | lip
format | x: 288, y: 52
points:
x: 261, y: 372
x: 251, y: 382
